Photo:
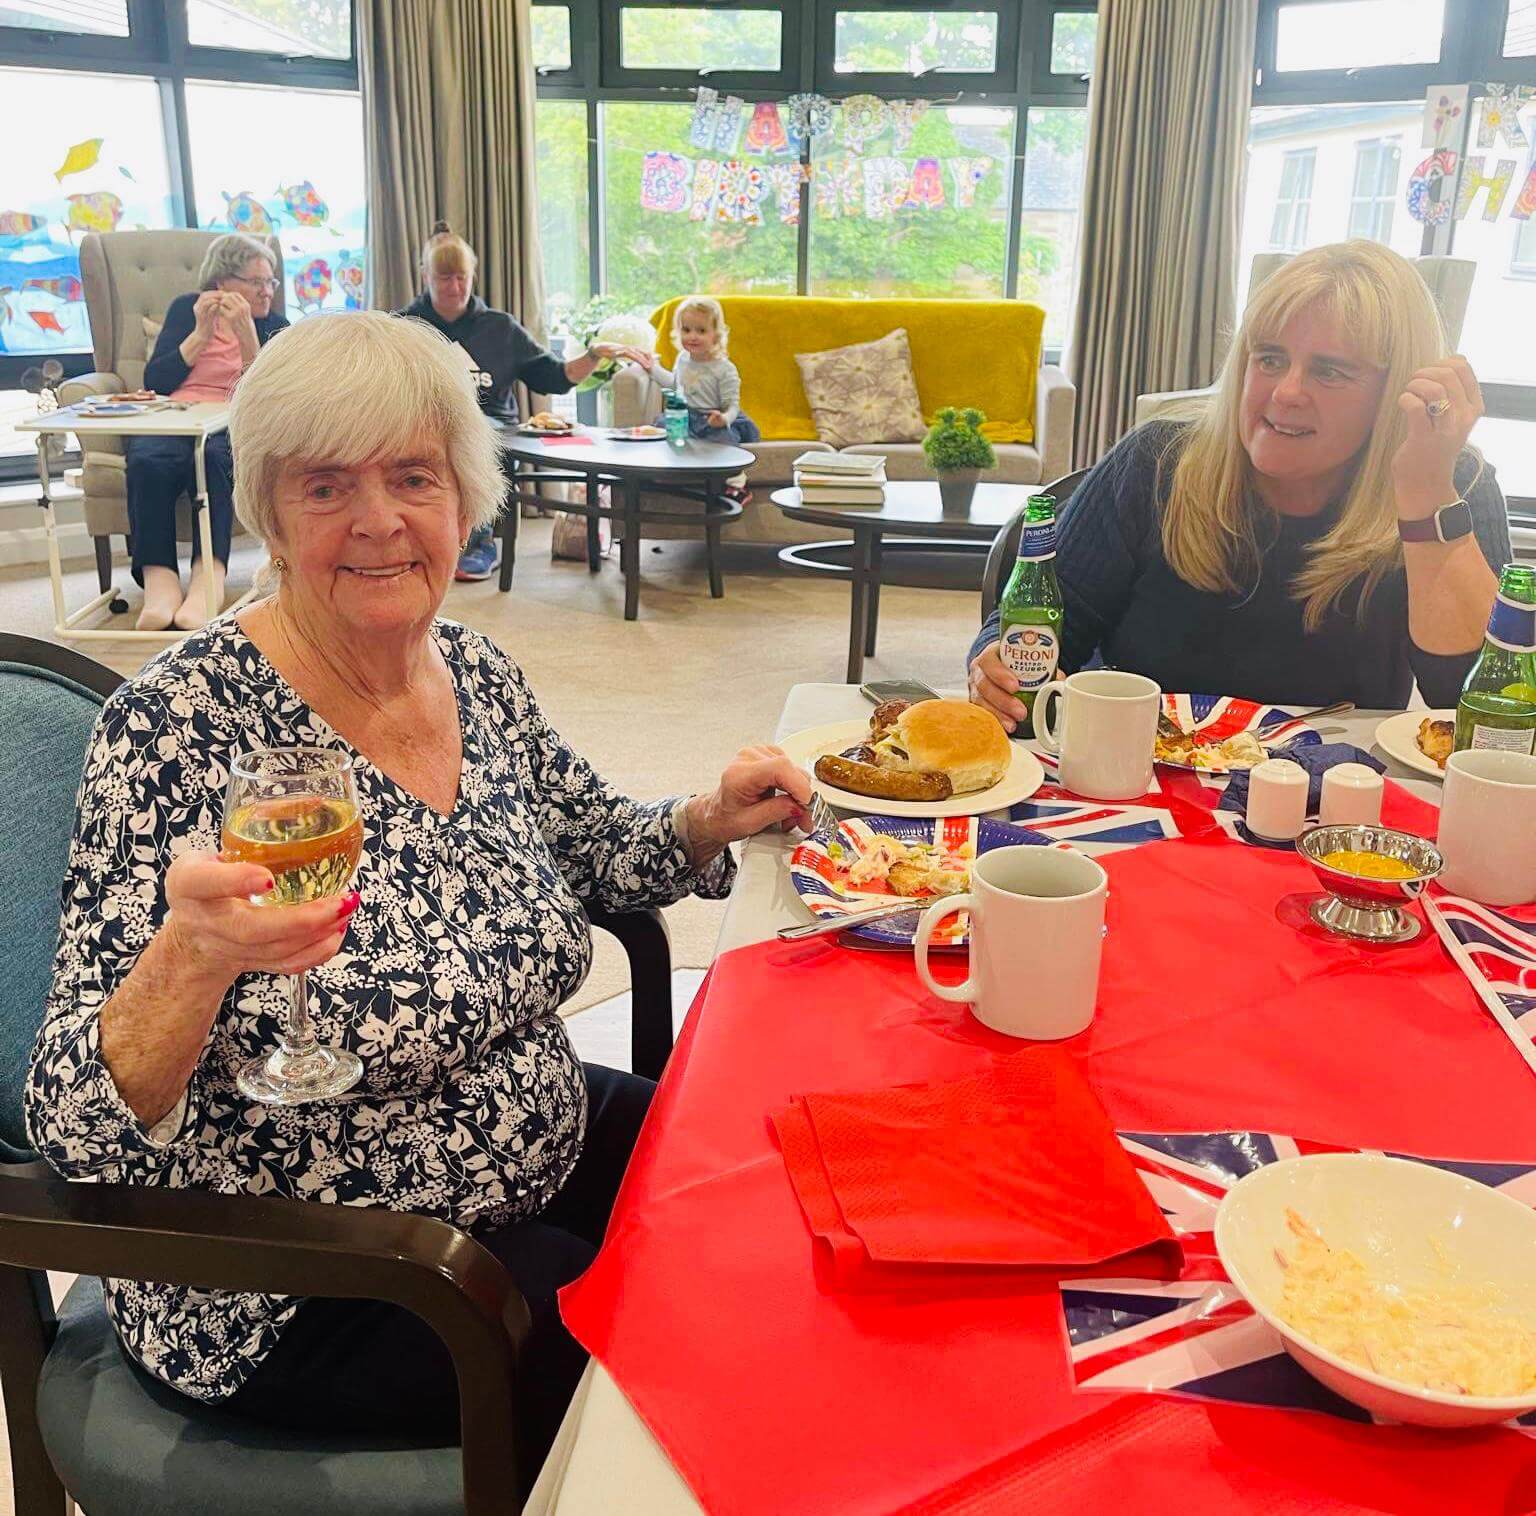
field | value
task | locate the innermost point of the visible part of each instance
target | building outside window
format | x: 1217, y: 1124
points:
x: 1378, y: 168
x: 1293, y: 200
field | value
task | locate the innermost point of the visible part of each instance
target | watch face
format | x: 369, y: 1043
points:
x: 1454, y: 520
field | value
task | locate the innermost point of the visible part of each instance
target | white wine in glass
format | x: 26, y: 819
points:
x: 294, y: 812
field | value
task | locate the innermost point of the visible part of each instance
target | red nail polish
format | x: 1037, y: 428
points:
x: 349, y: 903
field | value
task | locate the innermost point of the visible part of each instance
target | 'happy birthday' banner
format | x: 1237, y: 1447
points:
x: 775, y: 131
x: 1498, y: 127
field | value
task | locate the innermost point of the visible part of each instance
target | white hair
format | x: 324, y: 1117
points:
x: 350, y: 387
x: 227, y: 257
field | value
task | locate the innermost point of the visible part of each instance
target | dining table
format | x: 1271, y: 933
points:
x: 607, y: 1458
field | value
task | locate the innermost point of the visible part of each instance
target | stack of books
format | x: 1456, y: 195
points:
x: 851, y: 479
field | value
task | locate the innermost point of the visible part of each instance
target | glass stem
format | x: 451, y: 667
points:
x: 299, y: 1035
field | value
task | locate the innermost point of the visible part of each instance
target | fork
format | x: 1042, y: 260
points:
x: 823, y: 818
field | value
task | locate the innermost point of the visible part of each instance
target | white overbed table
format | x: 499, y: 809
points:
x: 604, y: 1459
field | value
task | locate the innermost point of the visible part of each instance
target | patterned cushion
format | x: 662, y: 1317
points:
x: 863, y: 393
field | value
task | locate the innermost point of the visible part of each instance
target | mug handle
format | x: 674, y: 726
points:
x: 1048, y: 737
x: 964, y: 992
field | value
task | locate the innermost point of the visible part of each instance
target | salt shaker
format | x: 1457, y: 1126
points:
x: 1351, y: 796
x: 1277, y: 799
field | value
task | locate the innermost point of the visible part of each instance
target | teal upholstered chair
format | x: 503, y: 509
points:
x: 80, y: 1419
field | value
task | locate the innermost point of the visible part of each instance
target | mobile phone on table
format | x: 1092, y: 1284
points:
x: 897, y: 689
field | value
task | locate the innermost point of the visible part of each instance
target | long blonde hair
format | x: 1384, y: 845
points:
x: 1210, y: 522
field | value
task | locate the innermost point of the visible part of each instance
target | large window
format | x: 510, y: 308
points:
x: 292, y: 28
x: 290, y: 162
x: 86, y: 155
x: 955, y: 169
x: 1378, y: 167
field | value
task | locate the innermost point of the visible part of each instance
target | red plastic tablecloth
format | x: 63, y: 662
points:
x: 771, y: 1395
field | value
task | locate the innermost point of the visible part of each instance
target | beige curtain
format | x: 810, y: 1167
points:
x: 448, y: 92
x: 1167, y: 137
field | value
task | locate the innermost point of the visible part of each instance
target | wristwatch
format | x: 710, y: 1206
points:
x: 1446, y: 525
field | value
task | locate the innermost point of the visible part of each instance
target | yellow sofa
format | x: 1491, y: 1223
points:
x: 984, y: 353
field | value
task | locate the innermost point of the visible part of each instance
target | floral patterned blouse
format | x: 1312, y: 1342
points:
x: 469, y: 936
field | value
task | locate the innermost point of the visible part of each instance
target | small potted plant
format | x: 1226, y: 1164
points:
x: 958, y: 453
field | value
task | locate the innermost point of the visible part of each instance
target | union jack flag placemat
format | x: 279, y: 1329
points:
x: 1500, y: 944
x: 1196, y: 1336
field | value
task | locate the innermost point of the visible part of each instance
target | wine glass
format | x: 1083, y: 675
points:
x: 294, y: 812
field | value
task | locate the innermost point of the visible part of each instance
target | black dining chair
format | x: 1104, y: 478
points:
x: 85, y: 1425
x: 1005, y: 546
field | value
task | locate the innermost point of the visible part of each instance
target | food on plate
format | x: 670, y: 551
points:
x: 1240, y: 751
x: 645, y: 433
x: 906, y: 868
x: 127, y: 397
x: 1364, y: 865
x: 882, y: 782
x: 1435, y: 739
x: 862, y: 753
x: 1453, y: 1340
x: 548, y: 421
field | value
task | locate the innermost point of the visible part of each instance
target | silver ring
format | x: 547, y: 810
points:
x: 1438, y: 407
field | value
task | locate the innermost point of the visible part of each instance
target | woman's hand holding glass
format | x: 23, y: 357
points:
x: 1442, y: 403
x: 219, y: 934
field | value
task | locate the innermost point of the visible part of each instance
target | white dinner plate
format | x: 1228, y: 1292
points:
x: 1023, y: 778
x: 1398, y: 737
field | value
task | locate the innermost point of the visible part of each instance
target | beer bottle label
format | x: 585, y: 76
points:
x: 1029, y: 653
x: 1512, y: 625
x: 1037, y: 541
x: 1504, y: 739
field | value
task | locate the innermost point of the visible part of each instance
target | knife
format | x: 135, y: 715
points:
x: 842, y: 923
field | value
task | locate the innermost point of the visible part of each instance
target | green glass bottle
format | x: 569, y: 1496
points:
x: 1498, y: 702
x: 1030, y: 612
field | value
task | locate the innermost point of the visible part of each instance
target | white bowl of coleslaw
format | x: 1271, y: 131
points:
x: 1407, y: 1289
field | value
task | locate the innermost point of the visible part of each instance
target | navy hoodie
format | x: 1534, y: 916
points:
x: 501, y: 351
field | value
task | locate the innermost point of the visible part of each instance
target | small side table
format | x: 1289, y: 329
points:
x: 913, y: 509
x: 199, y: 422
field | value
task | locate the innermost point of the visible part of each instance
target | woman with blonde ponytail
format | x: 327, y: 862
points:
x: 1321, y: 532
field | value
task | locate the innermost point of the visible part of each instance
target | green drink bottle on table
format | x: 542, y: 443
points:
x: 1030, y: 612
x: 1498, y: 702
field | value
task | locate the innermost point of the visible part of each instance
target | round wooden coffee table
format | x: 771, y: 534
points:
x: 696, y: 471
x: 912, y: 508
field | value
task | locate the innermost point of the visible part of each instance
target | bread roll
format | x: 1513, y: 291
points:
x: 951, y: 737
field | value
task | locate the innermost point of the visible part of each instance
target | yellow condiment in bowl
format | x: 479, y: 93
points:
x: 1364, y: 865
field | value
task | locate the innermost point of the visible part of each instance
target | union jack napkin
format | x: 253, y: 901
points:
x: 1196, y: 1336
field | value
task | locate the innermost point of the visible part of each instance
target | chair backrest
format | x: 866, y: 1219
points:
x: 1449, y: 281
x: 50, y: 698
x: 131, y: 275
x: 1005, y: 546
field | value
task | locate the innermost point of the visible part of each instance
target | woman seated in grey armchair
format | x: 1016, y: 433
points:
x: 208, y: 340
x: 1323, y: 532
x: 442, y: 970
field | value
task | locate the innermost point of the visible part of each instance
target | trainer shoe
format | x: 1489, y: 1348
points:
x: 481, y: 556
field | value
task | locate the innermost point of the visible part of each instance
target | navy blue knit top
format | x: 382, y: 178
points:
x: 1126, y: 608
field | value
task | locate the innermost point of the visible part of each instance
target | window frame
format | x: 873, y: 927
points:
x: 1002, y: 78
x: 1304, y: 160
x: 157, y: 49
x: 1375, y: 200
x: 615, y: 76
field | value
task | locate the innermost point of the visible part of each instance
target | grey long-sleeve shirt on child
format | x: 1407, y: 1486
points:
x: 713, y: 385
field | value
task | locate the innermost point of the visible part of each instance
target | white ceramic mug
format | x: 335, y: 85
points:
x: 1488, y: 826
x: 1107, y: 732
x: 1037, y: 933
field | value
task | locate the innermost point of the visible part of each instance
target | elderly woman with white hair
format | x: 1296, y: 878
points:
x: 207, y: 341
x: 443, y: 969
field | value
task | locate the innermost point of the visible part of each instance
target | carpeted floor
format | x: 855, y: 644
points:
x: 659, y: 704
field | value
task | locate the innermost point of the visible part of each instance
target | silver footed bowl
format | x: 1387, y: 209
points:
x: 1369, y: 908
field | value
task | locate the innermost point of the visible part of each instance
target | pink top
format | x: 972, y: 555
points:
x: 213, y: 376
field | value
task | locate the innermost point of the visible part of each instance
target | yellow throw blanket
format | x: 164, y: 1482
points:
x: 984, y: 353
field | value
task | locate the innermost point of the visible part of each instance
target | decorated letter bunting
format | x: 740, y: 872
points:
x: 1498, y: 126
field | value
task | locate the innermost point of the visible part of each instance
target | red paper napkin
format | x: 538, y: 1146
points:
x: 1017, y: 1166
x: 573, y: 439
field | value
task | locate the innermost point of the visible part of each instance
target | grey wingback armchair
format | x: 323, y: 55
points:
x: 128, y: 277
